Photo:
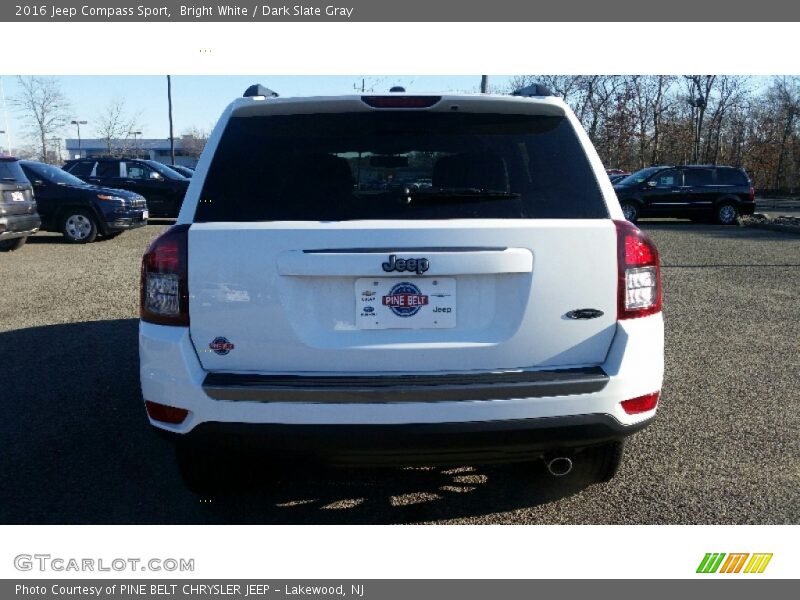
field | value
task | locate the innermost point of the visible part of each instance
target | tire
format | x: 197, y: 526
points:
x: 630, y: 211
x: 604, y: 461
x: 79, y: 226
x: 11, y: 245
x: 726, y: 214
x: 202, y: 471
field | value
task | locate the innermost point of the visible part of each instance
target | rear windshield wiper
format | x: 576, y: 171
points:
x: 457, y: 194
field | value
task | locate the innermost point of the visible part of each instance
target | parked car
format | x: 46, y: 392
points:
x: 81, y: 211
x: 506, y: 313
x: 714, y: 192
x: 163, y: 188
x: 18, y: 216
x: 185, y: 171
x: 614, y: 172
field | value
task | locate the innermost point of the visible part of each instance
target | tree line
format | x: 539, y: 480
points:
x: 637, y: 121
x: 47, y: 114
x: 634, y: 121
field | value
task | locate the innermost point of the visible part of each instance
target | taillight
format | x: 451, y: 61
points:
x: 752, y: 194
x: 164, y: 284
x: 164, y: 413
x: 639, y: 273
x: 640, y: 404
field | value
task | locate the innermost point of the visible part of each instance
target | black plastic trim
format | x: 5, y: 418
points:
x: 420, y: 443
x: 348, y: 389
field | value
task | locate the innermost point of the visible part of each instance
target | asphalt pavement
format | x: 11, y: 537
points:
x: 75, y: 446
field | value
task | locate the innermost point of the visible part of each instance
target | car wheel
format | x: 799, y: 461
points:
x: 630, y: 211
x: 201, y: 470
x: 727, y: 214
x: 604, y: 461
x: 11, y: 245
x: 79, y: 227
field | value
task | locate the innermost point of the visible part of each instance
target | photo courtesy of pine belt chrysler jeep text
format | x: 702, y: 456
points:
x: 407, y: 279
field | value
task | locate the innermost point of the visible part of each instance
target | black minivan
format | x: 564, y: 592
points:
x: 163, y: 187
x: 18, y: 216
x: 81, y: 211
x: 691, y: 191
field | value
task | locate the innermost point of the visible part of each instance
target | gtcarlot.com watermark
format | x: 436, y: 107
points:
x: 49, y: 563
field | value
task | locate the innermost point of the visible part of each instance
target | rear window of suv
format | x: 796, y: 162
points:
x: 11, y: 172
x: 399, y: 165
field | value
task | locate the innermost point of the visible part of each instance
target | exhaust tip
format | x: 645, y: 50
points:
x: 559, y: 466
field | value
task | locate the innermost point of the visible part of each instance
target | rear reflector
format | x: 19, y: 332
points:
x: 400, y: 101
x: 164, y: 413
x: 639, y: 273
x: 641, y: 404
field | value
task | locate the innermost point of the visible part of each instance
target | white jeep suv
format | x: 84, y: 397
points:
x: 311, y: 298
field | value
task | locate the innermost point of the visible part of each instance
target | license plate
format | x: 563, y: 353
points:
x: 146, y: 215
x: 413, y: 303
x: 17, y: 196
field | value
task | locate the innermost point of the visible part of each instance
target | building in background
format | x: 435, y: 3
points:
x: 187, y: 149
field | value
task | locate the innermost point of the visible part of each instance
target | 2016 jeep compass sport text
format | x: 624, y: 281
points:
x: 401, y: 278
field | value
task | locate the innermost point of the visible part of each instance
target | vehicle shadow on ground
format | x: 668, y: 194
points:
x: 327, y: 495
x: 77, y: 448
x: 54, y: 238
x: 57, y: 238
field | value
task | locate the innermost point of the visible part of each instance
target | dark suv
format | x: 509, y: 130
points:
x: 18, y: 216
x: 79, y: 210
x: 690, y: 191
x: 163, y: 187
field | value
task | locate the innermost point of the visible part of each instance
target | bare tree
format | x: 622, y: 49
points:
x: 116, y: 126
x: 193, y: 141
x: 43, y: 107
x: 699, y: 91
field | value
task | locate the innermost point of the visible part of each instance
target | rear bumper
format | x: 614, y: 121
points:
x: 747, y: 208
x: 16, y: 226
x: 171, y: 374
x: 428, y: 444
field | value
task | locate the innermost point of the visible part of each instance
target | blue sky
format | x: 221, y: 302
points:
x: 199, y: 100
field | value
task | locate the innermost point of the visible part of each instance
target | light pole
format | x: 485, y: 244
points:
x: 78, y: 125
x: 171, y: 136
x: 135, y: 146
x: 698, y: 103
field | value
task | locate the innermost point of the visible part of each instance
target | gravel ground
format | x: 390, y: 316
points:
x: 725, y: 448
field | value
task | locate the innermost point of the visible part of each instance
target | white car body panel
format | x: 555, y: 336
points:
x: 172, y: 373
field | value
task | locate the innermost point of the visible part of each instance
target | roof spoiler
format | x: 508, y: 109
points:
x: 259, y: 90
x: 534, y: 89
